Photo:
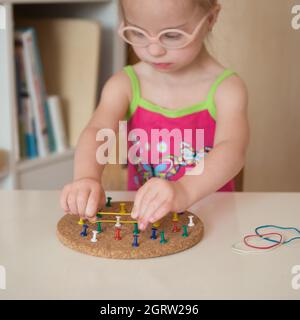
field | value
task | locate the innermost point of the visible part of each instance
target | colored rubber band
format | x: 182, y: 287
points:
x: 263, y: 237
x: 280, y: 228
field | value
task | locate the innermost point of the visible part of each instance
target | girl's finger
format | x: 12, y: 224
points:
x: 82, y: 199
x: 149, y: 196
x: 63, y: 199
x: 151, y: 210
x: 160, y: 212
x: 72, y: 202
x: 92, y: 204
x: 135, y: 212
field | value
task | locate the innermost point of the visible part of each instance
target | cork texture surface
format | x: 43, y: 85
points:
x: 69, y: 233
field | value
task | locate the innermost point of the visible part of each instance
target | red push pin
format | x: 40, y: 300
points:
x: 118, y: 234
x: 175, y: 227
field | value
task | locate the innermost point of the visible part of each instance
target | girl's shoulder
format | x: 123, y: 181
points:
x: 120, y: 82
x: 227, y: 81
x: 138, y: 71
x: 232, y: 86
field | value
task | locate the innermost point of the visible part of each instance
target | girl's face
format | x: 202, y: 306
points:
x: 154, y: 16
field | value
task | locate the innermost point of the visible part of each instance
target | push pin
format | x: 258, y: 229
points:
x: 156, y: 224
x: 162, y: 238
x: 136, y: 229
x: 153, y: 235
x: 185, y: 232
x: 94, y: 238
x: 135, y: 241
x: 108, y: 204
x: 122, y: 207
x: 175, y: 217
x: 175, y: 227
x: 84, y: 230
x: 99, y: 229
x: 191, y: 223
x: 118, y: 224
x: 81, y: 222
x: 118, y: 234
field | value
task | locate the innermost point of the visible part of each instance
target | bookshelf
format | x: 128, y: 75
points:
x: 56, y: 169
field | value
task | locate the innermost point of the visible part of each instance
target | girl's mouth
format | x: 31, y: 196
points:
x: 162, y: 65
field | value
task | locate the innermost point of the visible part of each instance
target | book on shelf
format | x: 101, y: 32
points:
x: 62, y: 55
x: 56, y: 117
x: 33, y: 110
x: 70, y: 52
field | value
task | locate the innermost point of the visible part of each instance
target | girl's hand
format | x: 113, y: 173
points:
x: 156, y: 198
x: 83, y: 197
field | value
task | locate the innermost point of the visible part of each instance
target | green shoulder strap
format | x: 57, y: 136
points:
x: 211, y: 95
x: 135, y: 89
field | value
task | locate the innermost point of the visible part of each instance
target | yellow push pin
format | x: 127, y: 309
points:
x: 81, y: 222
x: 156, y: 224
x: 122, y: 207
x: 175, y: 217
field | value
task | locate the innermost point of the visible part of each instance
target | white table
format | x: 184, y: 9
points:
x: 38, y: 266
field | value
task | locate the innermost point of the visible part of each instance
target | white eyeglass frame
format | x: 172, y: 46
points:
x: 156, y: 39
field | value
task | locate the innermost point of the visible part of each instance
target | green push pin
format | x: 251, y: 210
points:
x: 185, y: 232
x: 99, y: 229
x: 162, y: 238
x: 108, y: 204
x: 136, y: 229
x: 99, y: 215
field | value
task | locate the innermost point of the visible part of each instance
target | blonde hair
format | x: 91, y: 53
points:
x: 207, y: 4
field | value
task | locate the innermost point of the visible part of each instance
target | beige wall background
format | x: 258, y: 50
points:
x: 256, y: 39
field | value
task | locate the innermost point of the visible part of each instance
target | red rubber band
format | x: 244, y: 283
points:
x: 261, y: 236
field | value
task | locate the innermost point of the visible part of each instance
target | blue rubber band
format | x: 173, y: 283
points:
x: 280, y: 228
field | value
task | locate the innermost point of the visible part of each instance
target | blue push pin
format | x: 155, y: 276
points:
x: 84, y: 230
x: 135, y: 240
x: 153, y: 235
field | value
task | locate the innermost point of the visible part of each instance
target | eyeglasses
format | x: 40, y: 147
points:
x: 169, y: 39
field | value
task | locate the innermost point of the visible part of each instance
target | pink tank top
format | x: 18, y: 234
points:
x: 172, y: 159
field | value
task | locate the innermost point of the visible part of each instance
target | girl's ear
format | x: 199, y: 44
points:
x: 213, y: 16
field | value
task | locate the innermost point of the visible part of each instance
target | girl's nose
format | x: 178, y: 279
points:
x: 156, y: 50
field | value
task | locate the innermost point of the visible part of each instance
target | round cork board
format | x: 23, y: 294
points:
x: 68, y: 232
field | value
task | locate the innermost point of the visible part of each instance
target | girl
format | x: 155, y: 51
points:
x: 177, y: 85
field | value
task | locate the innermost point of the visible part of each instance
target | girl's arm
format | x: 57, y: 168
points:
x: 85, y: 194
x: 112, y: 108
x: 227, y: 157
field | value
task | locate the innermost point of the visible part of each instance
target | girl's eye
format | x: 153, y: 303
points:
x: 173, y: 36
x: 137, y: 34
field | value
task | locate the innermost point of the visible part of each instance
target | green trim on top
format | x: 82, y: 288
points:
x: 211, y: 105
x: 137, y: 100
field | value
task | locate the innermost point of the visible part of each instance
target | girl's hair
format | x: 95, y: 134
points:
x: 207, y: 4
